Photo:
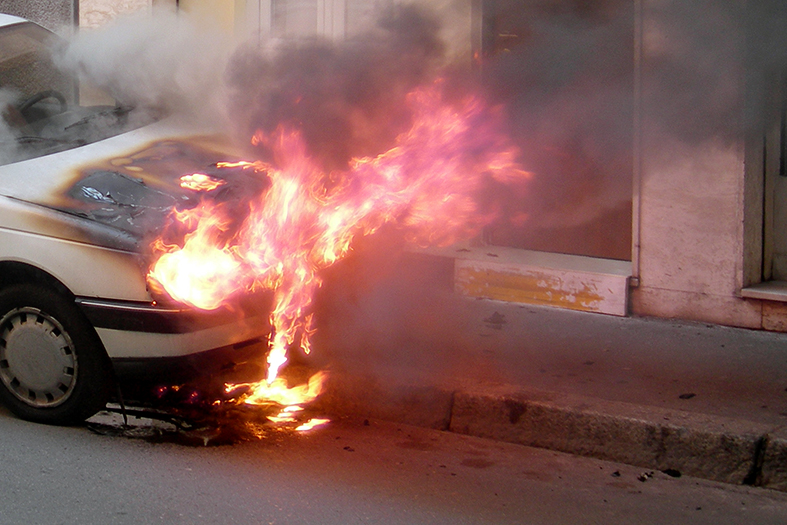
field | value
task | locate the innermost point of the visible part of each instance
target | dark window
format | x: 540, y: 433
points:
x: 565, y: 71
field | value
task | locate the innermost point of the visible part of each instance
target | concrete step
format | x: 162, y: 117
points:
x: 546, y: 279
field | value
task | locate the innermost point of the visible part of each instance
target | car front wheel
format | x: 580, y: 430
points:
x: 53, y: 368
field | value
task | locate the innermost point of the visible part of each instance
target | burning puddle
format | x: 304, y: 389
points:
x: 200, y: 410
x: 203, y: 415
x: 225, y: 426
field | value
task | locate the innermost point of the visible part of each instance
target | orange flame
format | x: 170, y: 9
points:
x: 277, y: 391
x: 306, y: 219
x: 310, y: 424
x: 200, y: 182
x: 197, y: 273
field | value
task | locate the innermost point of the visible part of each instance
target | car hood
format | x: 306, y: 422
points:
x: 116, y: 192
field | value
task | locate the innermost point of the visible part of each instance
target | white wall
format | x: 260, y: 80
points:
x: 95, y: 13
x: 691, y: 201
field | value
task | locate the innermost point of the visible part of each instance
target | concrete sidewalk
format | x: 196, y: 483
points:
x: 682, y: 397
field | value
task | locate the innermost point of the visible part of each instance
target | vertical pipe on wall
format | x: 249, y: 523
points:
x: 265, y: 20
x: 476, y: 31
x: 75, y: 18
x: 637, y: 145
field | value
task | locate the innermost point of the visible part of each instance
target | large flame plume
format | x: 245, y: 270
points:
x: 306, y: 219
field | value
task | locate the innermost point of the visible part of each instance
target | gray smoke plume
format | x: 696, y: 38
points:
x: 347, y: 98
x: 162, y: 61
x: 709, y: 72
x: 564, y: 72
x: 8, y: 146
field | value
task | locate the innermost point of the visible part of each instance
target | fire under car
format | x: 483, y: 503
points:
x: 83, y: 188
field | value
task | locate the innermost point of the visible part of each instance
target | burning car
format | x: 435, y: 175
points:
x: 129, y: 241
x: 83, y: 188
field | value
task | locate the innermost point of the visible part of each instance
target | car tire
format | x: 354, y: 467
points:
x: 53, y: 367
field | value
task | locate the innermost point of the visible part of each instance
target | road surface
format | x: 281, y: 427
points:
x: 344, y: 473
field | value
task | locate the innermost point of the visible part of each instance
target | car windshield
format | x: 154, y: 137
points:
x: 44, y: 109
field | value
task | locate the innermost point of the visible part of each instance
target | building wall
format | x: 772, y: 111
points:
x: 692, y: 259
x: 227, y: 15
x: 337, y: 19
x: 55, y: 15
x: 691, y: 235
x: 95, y: 13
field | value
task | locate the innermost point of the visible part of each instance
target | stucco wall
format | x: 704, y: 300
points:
x: 691, y: 234
x: 692, y: 163
x: 221, y: 14
x: 95, y: 13
x: 55, y: 15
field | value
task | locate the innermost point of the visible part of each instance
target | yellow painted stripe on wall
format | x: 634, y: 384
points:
x: 530, y: 288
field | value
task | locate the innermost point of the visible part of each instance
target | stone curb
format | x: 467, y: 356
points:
x: 710, y: 447
x: 773, y: 470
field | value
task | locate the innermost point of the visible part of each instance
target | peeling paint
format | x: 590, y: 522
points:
x: 572, y: 290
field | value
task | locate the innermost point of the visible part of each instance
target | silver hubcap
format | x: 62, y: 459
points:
x: 38, y: 363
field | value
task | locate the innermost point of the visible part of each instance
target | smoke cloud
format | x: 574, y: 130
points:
x: 347, y: 98
x: 163, y: 61
x: 8, y: 145
x: 766, y: 61
x: 564, y: 72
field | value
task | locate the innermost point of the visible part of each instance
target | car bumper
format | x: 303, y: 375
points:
x: 225, y: 363
x: 141, y: 331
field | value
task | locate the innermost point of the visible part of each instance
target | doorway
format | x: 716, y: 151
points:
x: 774, y: 254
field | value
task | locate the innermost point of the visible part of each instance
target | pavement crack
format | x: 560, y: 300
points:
x: 448, y: 422
x: 515, y: 410
x: 754, y: 477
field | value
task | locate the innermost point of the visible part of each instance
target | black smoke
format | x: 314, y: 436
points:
x: 565, y: 73
x: 347, y: 98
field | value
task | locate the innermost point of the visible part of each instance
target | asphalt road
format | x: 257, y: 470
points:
x: 347, y: 472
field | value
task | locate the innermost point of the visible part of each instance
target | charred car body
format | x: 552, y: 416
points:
x: 83, y: 188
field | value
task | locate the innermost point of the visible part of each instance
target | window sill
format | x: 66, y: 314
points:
x: 768, y: 291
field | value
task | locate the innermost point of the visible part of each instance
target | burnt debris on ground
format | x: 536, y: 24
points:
x: 199, y: 412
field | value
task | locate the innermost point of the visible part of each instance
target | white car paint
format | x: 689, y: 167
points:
x: 7, y: 20
x: 97, y: 270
